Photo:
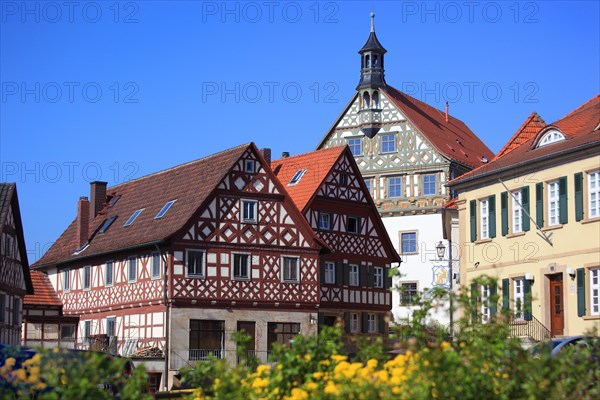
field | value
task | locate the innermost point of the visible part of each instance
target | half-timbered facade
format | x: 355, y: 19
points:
x: 406, y: 151
x: 15, y: 281
x: 327, y: 187
x: 44, y: 324
x: 217, y: 240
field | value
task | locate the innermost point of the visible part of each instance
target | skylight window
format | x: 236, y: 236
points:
x: 550, y: 137
x: 165, y: 208
x: 133, y: 217
x: 107, y: 223
x: 297, y: 176
x: 82, y: 248
x: 114, y: 201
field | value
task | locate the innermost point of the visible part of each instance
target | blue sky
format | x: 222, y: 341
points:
x: 113, y: 91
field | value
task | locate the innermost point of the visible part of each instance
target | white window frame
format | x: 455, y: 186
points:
x: 353, y: 275
x: 517, y: 211
x: 553, y: 203
x: 67, y: 280
x: 239, y: 277
x: 593, y: 196
x: 153, y: 268
x: 371, y: 323
x: 486, y: 312
x: 132, y: 261
x: 550, y: 137
x: 87, y: 277
x: 354, y: 323
x: 393, y: 142
x: 202, y: 272
x: 378, y: 277
x: 329, y: 273
x: 112, y: 273
x: 519, y: 297
x: 114, y: 321
x: 594, y: 291
x: 397, y: 186
x: 325, y: 221
x: 484, y: 218
x: 87, y: 330
x: 406, y: 291
x: 402, y: 242
x: 296, y: 177
x: 243, y: 217
x: 352, y: 145
x: 284, y: 266
x: 428, y: 184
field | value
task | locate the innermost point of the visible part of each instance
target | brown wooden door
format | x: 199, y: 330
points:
x: 557, y: 316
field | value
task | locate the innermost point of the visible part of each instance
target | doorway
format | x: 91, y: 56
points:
x: 557, y: 316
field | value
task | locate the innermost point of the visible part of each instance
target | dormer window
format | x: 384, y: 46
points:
x: 552, y: 136
x: 297, y: 176
x: 165, y: 208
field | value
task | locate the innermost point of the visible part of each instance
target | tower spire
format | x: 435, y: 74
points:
x: 373, y: 22
x: 371, y: 61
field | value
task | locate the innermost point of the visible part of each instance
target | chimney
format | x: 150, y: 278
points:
x: 446, y: 111
x: 285, y: 154
x: 97, y: 197
x: 266, y: 153
x: 83, y: 220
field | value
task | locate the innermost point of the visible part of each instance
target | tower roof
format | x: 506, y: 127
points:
x: 372, y: 42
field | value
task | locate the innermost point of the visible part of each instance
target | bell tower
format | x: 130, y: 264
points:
x: 372, y: 79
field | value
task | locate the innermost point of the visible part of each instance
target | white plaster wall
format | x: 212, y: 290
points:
x: 417, y: 267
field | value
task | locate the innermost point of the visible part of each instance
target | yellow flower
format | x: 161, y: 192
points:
x: 372, y: 364
x: 20, y: 375
x: 64, y: 380
x: 434, y: 393
x: 331, y: 388
x: 311, y: 386
x: 307, y: 357
x: 338, y: 358
x: 10, y: 362
x: 298, y: 394
x: 445, y: 345
x: 263, y: 368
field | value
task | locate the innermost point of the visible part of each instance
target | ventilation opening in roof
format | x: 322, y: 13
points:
x: 107, y: 223
x: 133, y: 217
x: 297, y: 176
x: 164, y: 210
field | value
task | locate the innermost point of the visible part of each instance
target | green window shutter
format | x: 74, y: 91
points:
x: 539, y: 204
x: 492, y: 202
x: 381, y: 323
x: 346, y: 274
x: 347, y: 322
x: 387, y: 277
x: 339, y: 273
x: 505, y: 294
x: 527, y: 308
x: 322, y: 272
x: 473, y: 217
x: 562, y: 200
x: 371, y: 276
x: 504, y: 212
x: 474, y: 303
x: 578, y: 196
x: 364, y: 276
x: 493, y: 302
x: 365, y: 322
x: 580, y: 292
x: 321, y: 318
x: 525, y: 203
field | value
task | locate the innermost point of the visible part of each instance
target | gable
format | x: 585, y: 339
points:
x: 333, y: 188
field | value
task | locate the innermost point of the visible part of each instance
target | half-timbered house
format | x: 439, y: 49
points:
x: 44, y: 324
x: 15, y: 281
x: 328, y: 189
x: 406, y: 151
x: 174, y: 262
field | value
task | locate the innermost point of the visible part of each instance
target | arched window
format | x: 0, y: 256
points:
x: 366, y: 100
x: 375, y: 61
x: 367, y: 61
x: 552, y: 136
x: 375, y: 99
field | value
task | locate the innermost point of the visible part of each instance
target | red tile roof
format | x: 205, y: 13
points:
x: 190, y: 184
x: 529, y: 129
x: 454, y: 139
x: 44, y: 293
x: 317, y: 165
x: 581, y: 126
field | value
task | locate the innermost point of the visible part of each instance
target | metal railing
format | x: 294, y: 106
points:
x: 533, y: 329
x: 189, y: 358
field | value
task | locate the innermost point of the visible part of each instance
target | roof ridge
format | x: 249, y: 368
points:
x: 579, y: 109
x: 339, y: 148
x: 507, y: 146
x: 180, y: 165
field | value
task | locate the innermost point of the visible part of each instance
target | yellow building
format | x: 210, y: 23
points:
x: 530, y: 218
